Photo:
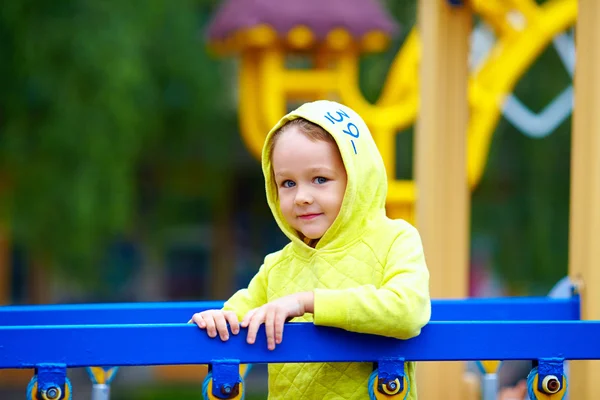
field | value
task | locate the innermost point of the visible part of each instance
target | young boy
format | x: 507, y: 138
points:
x: 347, y: 265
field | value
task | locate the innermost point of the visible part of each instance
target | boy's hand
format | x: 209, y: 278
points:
x: 274, y: 315
x: 215, y: 321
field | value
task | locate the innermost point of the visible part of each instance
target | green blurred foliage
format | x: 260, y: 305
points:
x: 95, y: 95
x: 523, y: 201
x: 115, y: 120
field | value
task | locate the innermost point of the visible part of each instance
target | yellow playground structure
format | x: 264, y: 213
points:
x: 267, y: 85
x: 455, y: 109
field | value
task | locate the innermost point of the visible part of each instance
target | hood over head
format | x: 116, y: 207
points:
x: 366, y: 188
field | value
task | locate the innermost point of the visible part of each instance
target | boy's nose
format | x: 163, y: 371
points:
x: 303, y: 196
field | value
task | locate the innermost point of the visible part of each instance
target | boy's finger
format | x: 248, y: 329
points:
x: 255, y: 323
x: 279, y: 324
x: 198, y: 320
x: 270, y: 329
x: 232, y: 318
x: 221, y: 326
x: 247, y: 318
x: 211, y: 329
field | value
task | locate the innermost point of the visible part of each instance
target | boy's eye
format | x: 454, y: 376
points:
x: 288, y: 184
x: 320, y: 180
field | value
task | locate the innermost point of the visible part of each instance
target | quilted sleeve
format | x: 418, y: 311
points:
x: 399, y: 308
x: 255, y: 295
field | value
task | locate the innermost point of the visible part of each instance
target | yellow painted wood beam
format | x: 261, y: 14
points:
x: 584, y: 232
x: 442, y: 212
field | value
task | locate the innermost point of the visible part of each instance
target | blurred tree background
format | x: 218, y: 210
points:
x: 117, y: 125
x: 114, y: 120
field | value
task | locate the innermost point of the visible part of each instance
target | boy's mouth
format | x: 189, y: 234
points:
x: 309, y: 216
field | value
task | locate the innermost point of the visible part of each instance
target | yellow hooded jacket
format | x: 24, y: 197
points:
x: 367, y: 272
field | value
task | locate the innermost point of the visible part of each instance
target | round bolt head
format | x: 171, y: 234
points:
x: 52, y: 393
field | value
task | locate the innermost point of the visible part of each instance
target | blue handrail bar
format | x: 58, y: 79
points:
x: 497, y: 309
x: 171, y: 344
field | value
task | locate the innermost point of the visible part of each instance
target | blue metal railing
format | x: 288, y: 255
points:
x: 500, y: 309
x: 172, y: 344
x: 54, y: 338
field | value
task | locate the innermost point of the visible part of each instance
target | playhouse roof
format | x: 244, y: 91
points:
x: 318, y: 18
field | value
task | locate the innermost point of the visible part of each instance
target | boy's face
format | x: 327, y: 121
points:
x: 311, y: 182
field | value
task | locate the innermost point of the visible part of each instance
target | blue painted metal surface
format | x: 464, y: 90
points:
x: 550, y: 367
x: 51, y: 382
x: 226, y: 379
x: 500, y: 309
x: 116, y: 345
x: 105, y: 313
x: 507, y: 309
x: 390, y: 371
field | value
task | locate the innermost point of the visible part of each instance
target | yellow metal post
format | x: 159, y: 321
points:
x: 442, y: 212
x: 584, y: 251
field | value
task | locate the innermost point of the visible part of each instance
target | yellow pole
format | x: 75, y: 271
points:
x: 442, y: 214
x: 584, y: 252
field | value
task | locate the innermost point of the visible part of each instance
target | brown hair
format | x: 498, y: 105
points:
x: 309, y: 129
